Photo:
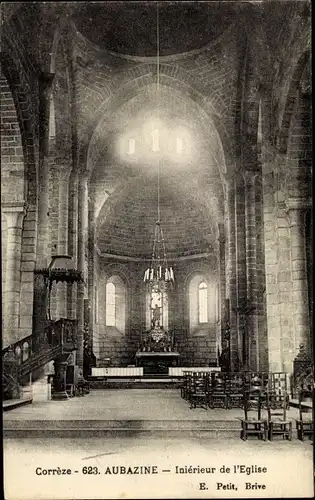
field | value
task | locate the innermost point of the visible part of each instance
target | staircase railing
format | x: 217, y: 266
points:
x: 34, y: 351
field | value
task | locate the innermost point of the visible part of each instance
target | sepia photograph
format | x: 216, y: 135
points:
x: 157, y: 250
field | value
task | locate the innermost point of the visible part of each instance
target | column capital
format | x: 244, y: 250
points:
x: 14, y: 213
x: 64, y: 170
x: 249, y: 175
x: 296, y: 209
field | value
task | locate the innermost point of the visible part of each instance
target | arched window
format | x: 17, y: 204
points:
x: 203, y: 302
x: 115, y: 304
x: 131, y: 146
x: 179, y: 145
x: 110, y: 304
x: 200, y: 295
x: 155, y: 140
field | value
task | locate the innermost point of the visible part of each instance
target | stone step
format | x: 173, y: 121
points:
x: 11, y: 404
x: 177, y: 425
x: 208, y: 429
x: 121, y: 384
x: 147, y: 382
x: 120, y: 428
x: 120, y: 432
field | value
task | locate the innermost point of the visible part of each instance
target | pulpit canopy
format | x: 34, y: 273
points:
x: 61, y: 268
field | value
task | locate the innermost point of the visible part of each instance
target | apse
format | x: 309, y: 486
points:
x: 159, y: 139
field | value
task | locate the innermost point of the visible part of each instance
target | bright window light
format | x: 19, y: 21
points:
x: 131, y: 146
x: 179, y: 145
x: 155, y: 140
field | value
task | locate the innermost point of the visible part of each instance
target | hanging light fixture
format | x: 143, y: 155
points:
x: 159, y: 274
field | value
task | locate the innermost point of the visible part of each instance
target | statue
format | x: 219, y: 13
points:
x: 156, y: 316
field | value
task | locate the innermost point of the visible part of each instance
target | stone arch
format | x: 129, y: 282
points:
x: 298, y: 135
x: 175, y: 79
x: 283, y: 140
x: 23, y: 106
x: 120, y: 270
x: 13, y: 175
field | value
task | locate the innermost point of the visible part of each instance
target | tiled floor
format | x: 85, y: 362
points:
x: 129, y: 404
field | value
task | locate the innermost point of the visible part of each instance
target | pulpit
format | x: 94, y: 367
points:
x: 157, y: 352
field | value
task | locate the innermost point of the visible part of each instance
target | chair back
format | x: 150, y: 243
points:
x: 199, y: 382
x: 235, y: 383
x: 276, y: 405
x: 218, y: 383
x: 253, y: 400
x: 304, y: 409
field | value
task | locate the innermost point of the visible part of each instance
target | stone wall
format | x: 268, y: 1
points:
x: 197, y: 343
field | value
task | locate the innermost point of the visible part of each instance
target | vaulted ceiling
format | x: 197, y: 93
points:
x: 131, y: 27
x: 191, y: 192
x: 205, y: 42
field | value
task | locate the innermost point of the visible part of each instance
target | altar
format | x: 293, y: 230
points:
x: 157, y: 362
x: 157, y: 352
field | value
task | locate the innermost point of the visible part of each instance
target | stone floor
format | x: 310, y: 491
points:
x: 289, y: 465
x: 129, y: 404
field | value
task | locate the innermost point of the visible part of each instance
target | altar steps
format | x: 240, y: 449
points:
x: 146, y: 382
x: 121, y: 428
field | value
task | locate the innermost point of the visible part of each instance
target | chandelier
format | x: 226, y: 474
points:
x: 159, y: 275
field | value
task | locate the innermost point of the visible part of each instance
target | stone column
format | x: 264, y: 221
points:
x: 42, y: 252
x: 82, y: 240
x: 231, y: 271
x: 251, y: 271
x: 297, y: 211
x: 91, y: 269
x: 64, y: 174
x: 261, y: 277
x: 72, y: 241
x: 222, y: 279
x: 14, y: 214
x: 241, y: 269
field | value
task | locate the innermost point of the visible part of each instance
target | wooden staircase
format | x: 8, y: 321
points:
x: 33, y: 352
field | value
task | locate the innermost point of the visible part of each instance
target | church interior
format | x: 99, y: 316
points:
x: 156, y: 212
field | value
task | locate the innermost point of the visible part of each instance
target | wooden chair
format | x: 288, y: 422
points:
x: 235, y: 391
x: 185, y: 385
x: 199, y: 391
x: 217, y: 393
x: 277, y: 421
x: 253, y: 423
x: 278, y: 384
x: 304, y: 425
